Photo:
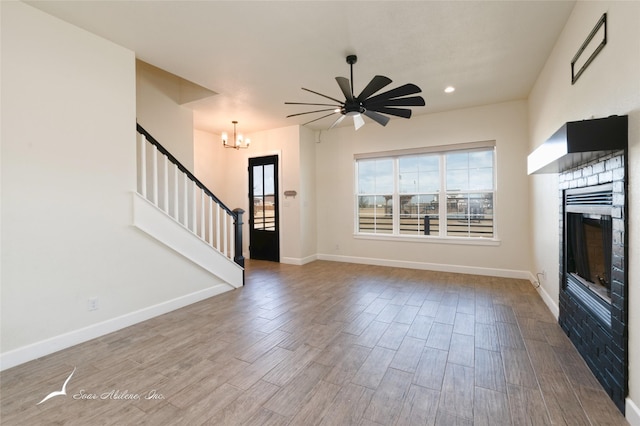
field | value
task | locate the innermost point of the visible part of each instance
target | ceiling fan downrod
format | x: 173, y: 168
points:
x: 352, y: 59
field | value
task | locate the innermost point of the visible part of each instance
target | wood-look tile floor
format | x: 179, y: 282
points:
x: 325, y: 344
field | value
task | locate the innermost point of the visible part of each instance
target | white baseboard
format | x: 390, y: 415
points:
x: 473, y: 270
x: 298, y: 261
x: 546, y: 297
x: 632, y: 413
x: 48, y: 346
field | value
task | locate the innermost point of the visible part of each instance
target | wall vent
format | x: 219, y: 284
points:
x: 592, y: 199
x: 592, y: 196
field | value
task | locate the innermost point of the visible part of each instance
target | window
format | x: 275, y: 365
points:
x: 448, y: 193
x: 375, y: 204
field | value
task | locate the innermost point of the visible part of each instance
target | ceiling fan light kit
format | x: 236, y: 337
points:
x: 375, y: 107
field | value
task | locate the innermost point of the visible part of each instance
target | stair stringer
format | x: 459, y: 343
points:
x: 164, y: 228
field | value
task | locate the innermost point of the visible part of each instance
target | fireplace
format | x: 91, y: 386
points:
x: 590, y: 157
x: 593, y: 290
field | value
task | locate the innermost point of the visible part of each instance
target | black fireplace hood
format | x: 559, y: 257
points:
x: 578, y: 142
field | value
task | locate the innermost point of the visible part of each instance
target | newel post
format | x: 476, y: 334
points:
x: 237, y: 257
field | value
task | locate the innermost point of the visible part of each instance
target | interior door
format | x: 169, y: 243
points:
x: 264, y: 240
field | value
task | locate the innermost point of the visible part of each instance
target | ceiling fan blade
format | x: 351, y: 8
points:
x: 378, y: 118
x: 358, y: 121
x: 343, y: 82
x: 408, y: 101
x: 311, y: 112
x: 324, y: 96
x: 398, y: 112
x: 376, y: 83
x: 404, y: 90
x: 338, y: 121
x: 305, y: 103
x: 316, y: 119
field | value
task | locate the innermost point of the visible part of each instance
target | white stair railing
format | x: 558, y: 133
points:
x: 167, y: 184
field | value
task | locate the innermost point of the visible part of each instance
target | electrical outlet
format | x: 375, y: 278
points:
x: 92, y: 304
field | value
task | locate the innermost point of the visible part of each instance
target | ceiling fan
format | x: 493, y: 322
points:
x: 366, y: 103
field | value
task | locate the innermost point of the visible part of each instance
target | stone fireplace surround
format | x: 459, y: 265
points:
x: 602, y: 343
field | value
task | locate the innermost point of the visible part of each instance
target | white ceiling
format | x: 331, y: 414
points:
x: 258, y: 54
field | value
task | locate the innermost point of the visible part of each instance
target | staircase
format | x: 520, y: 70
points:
x: 174, y: 207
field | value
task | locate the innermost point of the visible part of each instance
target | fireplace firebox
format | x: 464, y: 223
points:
x: 588, y: 245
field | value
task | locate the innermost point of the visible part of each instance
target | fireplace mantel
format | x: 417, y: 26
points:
x: 579, y: 142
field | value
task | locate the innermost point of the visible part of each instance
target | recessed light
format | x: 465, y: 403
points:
x: 449, y: 89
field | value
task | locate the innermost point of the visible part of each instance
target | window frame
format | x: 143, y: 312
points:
x: 442, y: 194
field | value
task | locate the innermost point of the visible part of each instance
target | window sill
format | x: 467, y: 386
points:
x: 431, y: 240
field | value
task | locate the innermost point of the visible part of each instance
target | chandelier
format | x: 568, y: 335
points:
x: 238, y: 141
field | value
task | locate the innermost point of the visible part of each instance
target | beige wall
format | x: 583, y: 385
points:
x: 229, y: 181
x: 207, y: 168
x: 68, y: 174
x: 611, y: 85
x: 505, y: 123
x: 306, y: 197
x: 159, y: 111
x: 224, y: 171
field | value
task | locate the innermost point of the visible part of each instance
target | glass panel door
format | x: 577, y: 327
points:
x: 263, y: 219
